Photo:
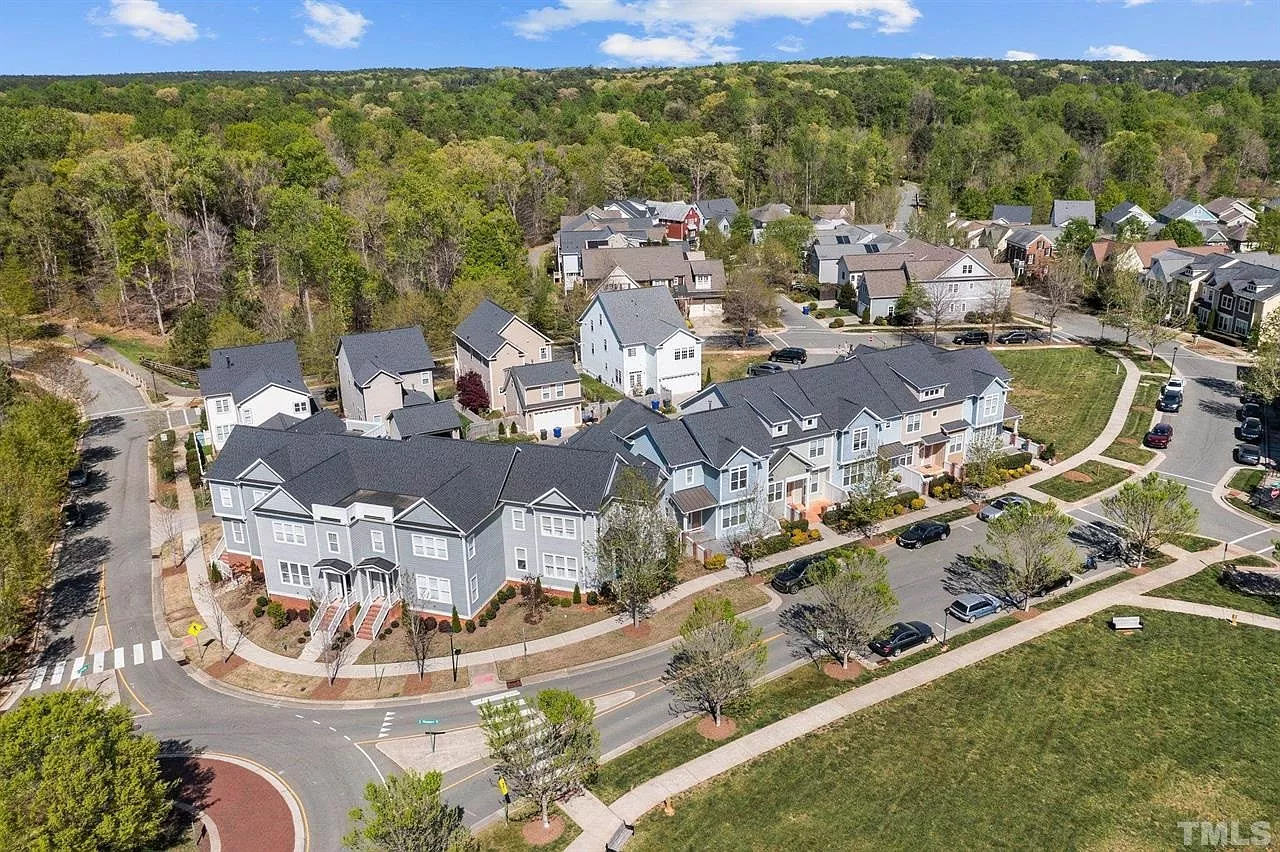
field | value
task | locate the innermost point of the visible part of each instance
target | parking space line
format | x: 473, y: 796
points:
x: 1250, y: 535
x: 1189, y: 479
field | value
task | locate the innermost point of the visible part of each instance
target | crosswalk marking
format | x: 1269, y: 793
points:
x: 115, y: 658
x: 387, y: 720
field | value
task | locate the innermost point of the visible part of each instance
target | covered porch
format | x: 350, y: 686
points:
x: 373, y: 585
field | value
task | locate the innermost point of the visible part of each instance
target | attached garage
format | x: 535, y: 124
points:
x: 567, y: 418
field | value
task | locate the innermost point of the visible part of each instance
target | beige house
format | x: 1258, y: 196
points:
x: 381, y: 371
x: 548, y: 396
x: 492, y: 340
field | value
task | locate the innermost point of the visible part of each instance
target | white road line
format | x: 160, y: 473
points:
x: 38, y: 677
x: 76, y: 667
x: 1250, y: 535
x: 1188, y: 478
x: 1087, y: 512
x: 133, y: 410
x: 332, y: 728
x: 139, y: 654
x: 314, y: 722
x: 299, y: 715
x: 99, y: 662
x: 157, y: 650
x: 58, y: 669
x: 117, y: 659
x: 347, y: 738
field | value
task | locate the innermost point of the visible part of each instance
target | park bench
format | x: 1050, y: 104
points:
x: 1126, y: 622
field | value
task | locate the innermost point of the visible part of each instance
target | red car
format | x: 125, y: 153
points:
x: 1159, y: 436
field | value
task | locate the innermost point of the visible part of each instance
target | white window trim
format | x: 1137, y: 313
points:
x: 859, y: 440
x: 297, y: 570
x: 225, y: 499
x: 286, y: 532
x: 237, y: 533
x: 521, y: 554
x: 429, y: 546
x: 517, y: 519
x: 377, y: 541
x: 779, y: 489
x: 690, y: 475
x: 471, y: 549
x: 917, y: 419
x: 567, y: 569
x: 473, y: 587
x: 558, y: 526
x: 333, y: 541
x: 433, y: 589
x: 734, y: 472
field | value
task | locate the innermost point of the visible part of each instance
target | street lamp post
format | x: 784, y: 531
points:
x: 946, y: 622
x: 454, y: 654
x: 1173, y: 361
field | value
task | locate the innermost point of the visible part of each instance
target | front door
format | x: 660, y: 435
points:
x: 795, y: 492
x: 378, y: 583
x: 334, y: 585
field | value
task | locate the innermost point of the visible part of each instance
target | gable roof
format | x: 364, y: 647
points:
x: 1026, y: 236
x: 771, y: 212
x: 626, y: 418
x: 482, y: 330
x: 670, y: 211
x: 717, y: 208
x: 429, y: 419
x: 243, y: 371
x: 1064, y: 211
x: 1116, y: 215
x: 396, y: 351
x: 1222, y: 204
x: 651, y: 263
x: 1013, y: 214
x: 645, y: 315
x: 543, y: 373
x: 833, y: 211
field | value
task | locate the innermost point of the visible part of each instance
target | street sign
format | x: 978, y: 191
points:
x: 502, y: 786
x: 428, y: 721
x: 194, y: 628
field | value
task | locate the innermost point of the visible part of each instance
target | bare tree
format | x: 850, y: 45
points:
x: 336, y: 650
x: 1151, y: 324
x: 55, y: 366
x: 938, y: 303
x: 1125, y: 299
x: 1059, y: 288
x: 744, y: 541
x: 1026, y: 549
x: 748, y: 301
x: 229, y: 635
x: 415, y: 626
x: 1151, y: 511
x: 851, y: 600
x: 994, y: 300
x: 716, y: 662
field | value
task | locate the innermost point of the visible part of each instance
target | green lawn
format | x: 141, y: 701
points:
x: 780, y: 697
x: 1082, y: 739
x: 505, y: 836
x: 1206, y: 588
x: 597, y: 391
x: 1101, y: 477
x: 1194, y: 543
x: 1246, y: 479
x: 1128, y: 446
x: 1065, y: 395
x: 136, y: 350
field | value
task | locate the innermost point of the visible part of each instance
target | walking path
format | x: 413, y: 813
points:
x: 1269, y: 622
x: 605, y: 821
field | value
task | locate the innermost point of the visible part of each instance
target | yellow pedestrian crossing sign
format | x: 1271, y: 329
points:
x: 194, y: 628
x: 502, y: 786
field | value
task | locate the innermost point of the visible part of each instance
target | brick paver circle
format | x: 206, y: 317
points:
x: 246, y: 807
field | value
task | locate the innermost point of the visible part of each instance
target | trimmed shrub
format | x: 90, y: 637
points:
x: 577, y: 594
x: 715, y: 562
x: 262, y: 601
x: 819, y: 314
x: 1013, y: 460
x: 443, y: 627
x: 483, y: 620
x: 395, y: 622
x: 917, y: 504
x: 215, y: 576
x: 815, y: 534
x: 255, y: 572
x: 471, y: 626
x: 275, y: 611
x: 593, y: 598
x: 258, y: 611
x: 838, y: 322
x: 881, y: 321
x: 455, y: 623
x: 429, y: 623
x: 565, y: 603
x: 866, y: 316
x: 798, y: 538
x: 1049, y: 452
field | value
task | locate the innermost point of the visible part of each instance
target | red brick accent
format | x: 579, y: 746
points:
x: 289, y: 602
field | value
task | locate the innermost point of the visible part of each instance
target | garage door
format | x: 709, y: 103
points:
x: 563, y: 417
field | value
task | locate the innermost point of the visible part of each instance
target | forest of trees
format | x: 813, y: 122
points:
x: 217, y: 209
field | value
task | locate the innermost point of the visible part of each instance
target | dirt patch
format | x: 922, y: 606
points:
x: 1129, y: 441
x: 535, y: 834
x: 1020, y: 615
x: 707, y: 728
x: 1138, y: 571
x: 834, y: 671
x: 1077, y: 476
x: 637, y: 631
x: 328, y: 691
x: 220, y: 669
x: 413, y: 685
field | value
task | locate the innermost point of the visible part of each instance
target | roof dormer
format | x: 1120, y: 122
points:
x: 779, y: 429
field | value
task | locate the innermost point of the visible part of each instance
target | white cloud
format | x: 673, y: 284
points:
x: 333, y: 25
x: 1128, y: 4
x: 145, y: 19
x: 1117, y: 53
x: 923, y: 56
x: 678, y: 29
x: 1020, y: 55
x: 790, y: 44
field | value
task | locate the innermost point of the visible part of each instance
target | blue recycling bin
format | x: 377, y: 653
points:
x: 556, y: 431
x: 804, y: 309
x: 654, y: 404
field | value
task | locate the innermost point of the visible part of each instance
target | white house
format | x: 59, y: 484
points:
x: 636, y: 341
x: 251, y: 384
x: 380, y: 371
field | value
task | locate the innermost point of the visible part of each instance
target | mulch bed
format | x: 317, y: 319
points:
x: 640, y: 631
x: 248, y: 811
x: 1019, y: 615
x: 325, y: 692
x: 536, y: 835
x: 414, y: 686
x: 1077, y: 476
x: 219, y: 669
x: 1138, y: 572
x: 707, y: 728
x: 833, y: 670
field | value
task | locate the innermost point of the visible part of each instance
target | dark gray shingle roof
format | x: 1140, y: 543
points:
x: 1014, y: 214
x: 396, y: 351
x: 431, y: 419
x: 242, y: 371
x: 482, y: 328
x: 643, y: 315
x: 1065, y: 211
x: 717, y: 208
x: 543, y: 373
x: 626, y: 418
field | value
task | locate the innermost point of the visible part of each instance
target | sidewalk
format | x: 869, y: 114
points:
x: 634, y: 804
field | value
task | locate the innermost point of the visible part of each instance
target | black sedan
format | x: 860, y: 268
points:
x: 1013, y: 337
x: 1250, y: 430
x: 78, y: 478
x: 925, y: 532
x: 901, y: 637
x: 1170, y: 401
x: 795, y: 576
x: 1249, y: 409
x: 72, y: 515
x: 971, y: 337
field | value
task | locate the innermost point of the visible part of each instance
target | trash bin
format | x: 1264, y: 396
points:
x: 804, y: 309
x: 654, y: 404
x: 542, y: 434
x: 556, y: 431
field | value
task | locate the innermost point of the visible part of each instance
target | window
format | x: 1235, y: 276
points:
x: 1242, y: 327
x: 237, y: 533
x: 953, y: 289
x: 286, y: 533
x: 735, y: 514
x: 429, y: 546
x: 471, y: 549
x: 522, y: 561
x: 222, y: 406
x: 809, y: 423
x: 684, y: 353
x: 221, y: 432
x: 617, y: 377
x: 890, y: 311
x: 814, y: 484
x: 1225, y: 302
x: 1244, y: 306
x: 377, y: 542
x: 560, y: 390
x: 331, y: 538
x: 517, y: 519
x: 546, y: 392
x: 473, y: 588
x: 433, y: 589
x: 224, y: 497
x: 702, y: 282
x: 931, y: 393
x: 631, y: 352
x: 990, y: 404
x: 559, y: 567
x: 738, y: 479
x: 1224, y: 322
x: 779, y: 429
x: 966, y: 269
x: 295, y: 574
x: 301, y: 407
x: 690, y: 475
x: 544, y: 354
x: 246, y: 415
x: 775, y: 492
x: 558, y: 526
x: 817, y: 448
x: 859, y: 440
x: 635, y: 378
x: 955, y: 445
x: 914, y: 423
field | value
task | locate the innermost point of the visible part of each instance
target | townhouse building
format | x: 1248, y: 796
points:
x: 1235, y: 293
x: 965, y: 278
x: 342, y: 521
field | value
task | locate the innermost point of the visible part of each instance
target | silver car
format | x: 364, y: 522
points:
x: 970, y: 607
x: 1000, y: 505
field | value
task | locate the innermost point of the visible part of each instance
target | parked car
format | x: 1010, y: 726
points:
x: 1159, y: 436
x: 1170, y: 401
x: 900, y: 637
x: 1063, y: 581
x: 1247, y: 454
x: 1175, y: 383
x: 999, y: 506
x: 767, y: 368
x: 971, y: 336
x: 1252, y: 397
x: 78, y: 478
x: 925, y: 532
x: 790, y: 355
x: 1010, y: 337
x: 795, y: 576
x: 72, y: 515
x: 969, y: 608
x: 1249, y: 409
x: 1250, y: 430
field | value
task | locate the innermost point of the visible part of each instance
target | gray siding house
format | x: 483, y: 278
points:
x: 380, y: 371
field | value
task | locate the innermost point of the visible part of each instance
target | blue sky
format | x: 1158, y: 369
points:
x: 104, y: 36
